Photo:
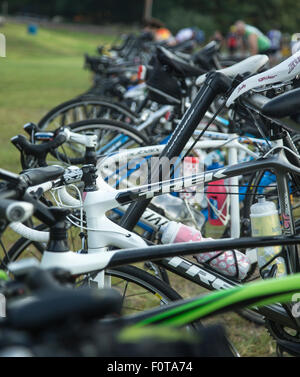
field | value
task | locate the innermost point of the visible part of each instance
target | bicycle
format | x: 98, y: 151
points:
x: 247, y: 167
x: 255, y: 294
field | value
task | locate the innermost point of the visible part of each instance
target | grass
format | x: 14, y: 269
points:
x: 249, y: 339
x: 39, y: 72
x: 46, y: 69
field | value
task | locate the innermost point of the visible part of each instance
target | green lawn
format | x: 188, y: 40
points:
x: 39, y: 72
x: 44, y: 70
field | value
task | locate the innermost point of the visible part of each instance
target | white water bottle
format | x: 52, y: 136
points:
x: 225, y: 263
x: 265, y: 222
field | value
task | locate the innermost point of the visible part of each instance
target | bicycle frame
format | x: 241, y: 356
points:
x: 234, y: 143
x: 120, y: 141
x: 204, y: 275
x: 258, y: 295
x: 103, y: 232
x: 95, y: 202
x: 185, y: 312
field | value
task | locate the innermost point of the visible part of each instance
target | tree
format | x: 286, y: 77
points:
x: 264, y: 14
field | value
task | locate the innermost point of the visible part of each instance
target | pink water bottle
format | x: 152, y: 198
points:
x: 216, y: 194
x: 227, y: 262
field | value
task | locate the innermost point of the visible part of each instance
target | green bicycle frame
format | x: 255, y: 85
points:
x: 183, y: 313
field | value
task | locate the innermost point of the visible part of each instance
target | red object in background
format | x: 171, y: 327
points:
x: 232, y: 42
x: 141, y: 72
x: 216, y: 194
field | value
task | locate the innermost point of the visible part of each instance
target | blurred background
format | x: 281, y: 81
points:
x: 176, y: 14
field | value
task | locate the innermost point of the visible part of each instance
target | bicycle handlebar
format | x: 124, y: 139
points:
x: 20, y: 183
x: 39, y: 151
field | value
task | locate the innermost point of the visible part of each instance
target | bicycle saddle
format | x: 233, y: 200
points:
x: 204, y: 57
x: 181, y: 67
x: 283, y: 109
x: 286, y: 104
x: 246, y: 67
x: 184, y: 47
x: 286, y: 108
x: 283, y: 72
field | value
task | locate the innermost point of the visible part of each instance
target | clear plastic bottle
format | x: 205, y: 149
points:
x: 175, y: 209
x: 175, y: 232
x: 265, y: 222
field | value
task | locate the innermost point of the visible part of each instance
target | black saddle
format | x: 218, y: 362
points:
x: 204, y: 57
x: 180, y: 67
x: 285, y: 107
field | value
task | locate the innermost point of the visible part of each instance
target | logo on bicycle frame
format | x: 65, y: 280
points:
x: 266, y: 78
x: 241, y: 87
x: 179, y: 174
x: 293, y: 64
x: 2, y: 46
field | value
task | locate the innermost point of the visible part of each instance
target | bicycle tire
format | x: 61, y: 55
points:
x: 118, y: 128
x: 154, y: 288
x: 83, y: 102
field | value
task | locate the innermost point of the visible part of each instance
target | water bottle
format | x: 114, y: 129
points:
x: 225, y: 263
x: 265, y: 222
x: 216, y: 194
x: 175, y: 209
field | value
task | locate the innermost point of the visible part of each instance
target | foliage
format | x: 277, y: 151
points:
x: 179, y: 18
x: 265, y: 14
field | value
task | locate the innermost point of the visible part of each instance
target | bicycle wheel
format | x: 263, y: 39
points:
x: 146, y: 290
x: 84, y: 108
x: 111, y: 135
x: 140, y: 289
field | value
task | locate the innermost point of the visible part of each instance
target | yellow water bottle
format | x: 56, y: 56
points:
x: 265, y: 222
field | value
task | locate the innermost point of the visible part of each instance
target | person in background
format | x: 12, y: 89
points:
x: 275, y: 37
x: 232, y: 41
x: 254, y: 39
x: 185, y: 34
x: 192, y: 34
x: 158, y: 30
x: 285, y: 45
x: 218, y: 37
